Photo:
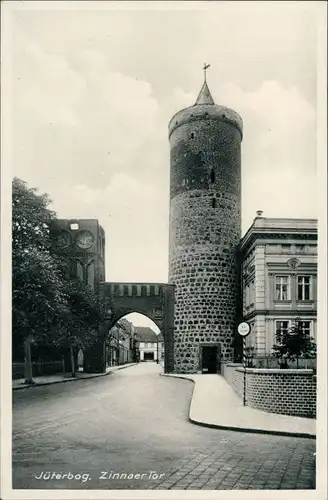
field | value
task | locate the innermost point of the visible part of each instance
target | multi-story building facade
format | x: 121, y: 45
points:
x: 279, y: 279
x: 151, y: 346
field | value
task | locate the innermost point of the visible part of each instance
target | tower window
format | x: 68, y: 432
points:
x: 212, y: 176
x: 213, y: 203
x: 192, y: 135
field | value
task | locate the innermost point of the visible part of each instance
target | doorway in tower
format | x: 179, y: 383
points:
x: 209, y: 359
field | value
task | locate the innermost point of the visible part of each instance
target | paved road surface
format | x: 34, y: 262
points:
x: 134, y: 422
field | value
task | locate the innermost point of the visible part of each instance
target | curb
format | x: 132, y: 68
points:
x: 239, y: 429
x: 253, y: 431
x: 71, y: 379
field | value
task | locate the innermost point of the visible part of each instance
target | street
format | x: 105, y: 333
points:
x: 130, y: 430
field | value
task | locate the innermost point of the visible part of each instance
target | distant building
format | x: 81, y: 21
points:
x: 121, y: 344
x: 150, y: 344
x: 279, y: 279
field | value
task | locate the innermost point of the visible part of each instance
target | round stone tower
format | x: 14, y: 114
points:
x: 205, y: 227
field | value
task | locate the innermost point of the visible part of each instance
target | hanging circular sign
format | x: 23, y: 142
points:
x: 244, y: 329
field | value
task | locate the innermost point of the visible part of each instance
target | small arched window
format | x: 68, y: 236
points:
x: 192, y: 135
x: 213, y: 203
x: 212, y: 176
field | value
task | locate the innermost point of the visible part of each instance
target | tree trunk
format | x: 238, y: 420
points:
x: 28, y: 362
x: 72, y: 361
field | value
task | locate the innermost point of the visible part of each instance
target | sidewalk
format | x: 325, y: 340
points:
x: 215, y: 404
x: 61, y: 378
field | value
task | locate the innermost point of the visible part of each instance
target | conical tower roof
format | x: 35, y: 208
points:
x: 204, y: 96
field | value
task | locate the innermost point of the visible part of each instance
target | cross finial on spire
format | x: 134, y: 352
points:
x: 206, y: 66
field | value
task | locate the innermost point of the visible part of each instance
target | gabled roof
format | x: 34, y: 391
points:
x: 146, y: 334
x: 204, y: 96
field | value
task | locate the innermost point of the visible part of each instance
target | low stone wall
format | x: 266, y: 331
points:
x: 289, y: 392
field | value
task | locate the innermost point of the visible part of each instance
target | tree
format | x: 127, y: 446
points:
x: 37, y: 289
x: 49, y: 308
x: 38, y: 295
x: 293, y: 343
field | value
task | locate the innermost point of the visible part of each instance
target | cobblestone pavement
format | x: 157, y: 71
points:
x: 136, y: 423
x: 239, y: 466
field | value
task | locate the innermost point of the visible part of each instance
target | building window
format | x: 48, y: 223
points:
x: 305, y: 326
x: 213, y: 202
x: 247, y: 295
x: 304, y: 288
x: 282, y: 287
x: 282, y: 328
x: 252, y: 292
x: 212, y: 176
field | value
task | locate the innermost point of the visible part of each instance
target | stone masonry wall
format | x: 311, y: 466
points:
x: 288, y: 392
x: 204, y: 234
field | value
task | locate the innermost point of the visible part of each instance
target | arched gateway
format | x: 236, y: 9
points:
x: 154, y: 300
x: 80, y: 244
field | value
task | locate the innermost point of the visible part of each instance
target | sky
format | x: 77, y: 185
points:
x: 94, y: 86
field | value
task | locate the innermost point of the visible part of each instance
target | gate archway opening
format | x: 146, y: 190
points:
x: 153, y: 300
x: 134, y: 338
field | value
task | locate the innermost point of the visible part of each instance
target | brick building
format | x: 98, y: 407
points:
x: 279, y: 278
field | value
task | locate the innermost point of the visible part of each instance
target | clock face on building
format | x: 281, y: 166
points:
x: 63, y: 239
x: 84, y: 239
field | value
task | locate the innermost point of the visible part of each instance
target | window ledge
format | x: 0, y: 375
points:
x: 287, y: 301
x: 299, y: 301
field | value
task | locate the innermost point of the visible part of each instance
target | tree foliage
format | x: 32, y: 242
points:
x: 293, y: 344
x: 38, y: 296
x: 49, y: 306
x: 31, y: 219
x: 85, y: 312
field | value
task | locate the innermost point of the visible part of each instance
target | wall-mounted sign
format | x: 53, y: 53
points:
x: 244, y: 329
